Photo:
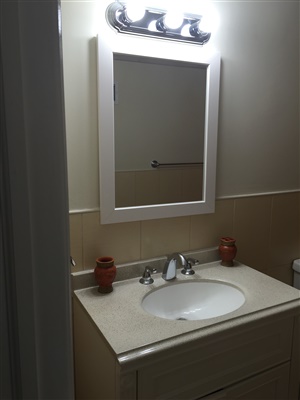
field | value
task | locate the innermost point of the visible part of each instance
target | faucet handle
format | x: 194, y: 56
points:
x: 187, y: 269
x: 146, y: 278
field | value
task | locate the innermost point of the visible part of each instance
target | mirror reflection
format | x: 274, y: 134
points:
x: 159, y: 114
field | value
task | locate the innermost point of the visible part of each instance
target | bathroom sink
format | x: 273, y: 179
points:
x: 193, y: 300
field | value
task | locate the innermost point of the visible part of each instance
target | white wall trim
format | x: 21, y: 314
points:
x: 84, y: 211
x: 239, y: 196
x: 275, y: 193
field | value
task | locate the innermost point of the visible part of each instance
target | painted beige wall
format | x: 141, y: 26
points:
x: 258, y: 144
x: 259, y: 131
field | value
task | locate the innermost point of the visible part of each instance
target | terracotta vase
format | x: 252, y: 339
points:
x: 105, y: 273
x: 227, y: 250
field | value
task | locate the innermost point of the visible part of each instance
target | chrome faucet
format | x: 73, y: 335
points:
x: 146, y: 279
x: 169, y: 271
x: 187, y: 268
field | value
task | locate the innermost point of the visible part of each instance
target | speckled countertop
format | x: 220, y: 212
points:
x: 130, y: 331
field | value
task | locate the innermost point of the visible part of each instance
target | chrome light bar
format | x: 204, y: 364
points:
x: 153, y: 23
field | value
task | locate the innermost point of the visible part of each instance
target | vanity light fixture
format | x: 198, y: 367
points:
x: 154, y: 22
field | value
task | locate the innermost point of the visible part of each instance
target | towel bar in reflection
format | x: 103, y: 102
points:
x: 156, y: 164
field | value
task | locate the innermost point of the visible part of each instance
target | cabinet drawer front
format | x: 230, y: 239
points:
x: 210, y: 366
x: 270, y: 385
x: 273, y: 384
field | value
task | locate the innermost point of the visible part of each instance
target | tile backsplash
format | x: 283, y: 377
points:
x: 266, y: 228
x: 158, y: 186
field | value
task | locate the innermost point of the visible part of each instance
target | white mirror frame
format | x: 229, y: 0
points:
x: 110, y: 42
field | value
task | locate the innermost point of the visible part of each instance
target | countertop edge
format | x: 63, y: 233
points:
x: 289, y: 309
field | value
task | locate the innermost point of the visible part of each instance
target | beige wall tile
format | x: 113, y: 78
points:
x: 170, y: 186
x: 252, y: 224
x: 285, y: 232
x: 147, y: 187
x: 158, y: 186
x: 121, y: 241
x: 283, y: 273
x: 125, y: 189
x: 91, y: 239
x: 76, y: 250
x: 164, y: 236
x: 207, y: 229
x: 191, y: 184
x: 266, y: 229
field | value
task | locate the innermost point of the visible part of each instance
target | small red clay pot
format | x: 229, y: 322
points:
x: 227, y: 250
x: 105, y: 273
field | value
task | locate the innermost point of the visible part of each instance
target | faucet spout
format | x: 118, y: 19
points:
x: 169, y: 271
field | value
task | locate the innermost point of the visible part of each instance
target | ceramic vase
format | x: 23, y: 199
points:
x: 227, y: 250
x: 105, y: 273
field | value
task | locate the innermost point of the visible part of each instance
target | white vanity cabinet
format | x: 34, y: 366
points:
x: 253, y: 353
x: 219, y: 363
x: 259, y: 360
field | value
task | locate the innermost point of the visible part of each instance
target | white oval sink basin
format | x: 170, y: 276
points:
x: 193, y: 300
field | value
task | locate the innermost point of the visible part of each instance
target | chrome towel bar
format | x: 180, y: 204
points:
x: 156, y: 164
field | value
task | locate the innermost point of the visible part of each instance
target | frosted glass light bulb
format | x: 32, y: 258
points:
x: 152, y: 26
x: 173, y: 20
x: 134, y: 11
x: 185, y: 31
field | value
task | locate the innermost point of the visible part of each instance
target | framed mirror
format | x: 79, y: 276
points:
x: 158, y: 120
